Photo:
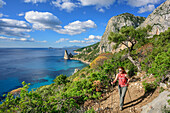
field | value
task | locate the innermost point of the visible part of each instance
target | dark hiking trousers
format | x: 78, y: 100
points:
x: 122, y: 93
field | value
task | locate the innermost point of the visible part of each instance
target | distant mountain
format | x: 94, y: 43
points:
x: 73, y: 47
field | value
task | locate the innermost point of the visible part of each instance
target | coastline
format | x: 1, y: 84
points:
x: 77, y: 52
x: 80, y: 60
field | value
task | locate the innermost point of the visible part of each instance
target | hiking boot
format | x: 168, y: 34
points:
x: 121, y: 108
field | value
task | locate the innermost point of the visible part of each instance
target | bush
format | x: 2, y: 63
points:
x: 161, y: 64
x: 99, y: 61
x: 61, y: 79
x: 149, y: 87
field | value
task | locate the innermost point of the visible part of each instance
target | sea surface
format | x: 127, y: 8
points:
x: 38, y: 66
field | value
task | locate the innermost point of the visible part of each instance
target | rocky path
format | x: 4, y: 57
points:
x: 134, y: 100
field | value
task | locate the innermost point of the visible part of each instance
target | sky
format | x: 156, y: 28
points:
x: 62, y: 23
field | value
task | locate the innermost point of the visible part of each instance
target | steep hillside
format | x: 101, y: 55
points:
x: 89, y: 90
x: 87, y: 54
x: 159, y: 19
x: 114, y: 25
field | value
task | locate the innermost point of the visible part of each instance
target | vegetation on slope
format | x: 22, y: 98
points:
x: 68, y: 94
x: 88, y: 53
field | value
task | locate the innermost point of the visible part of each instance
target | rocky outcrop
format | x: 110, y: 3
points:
x: 76, y: 70
x: 157, y: 105
x: 114, y: 25
x: 159, y: 18
x: 67, y: 56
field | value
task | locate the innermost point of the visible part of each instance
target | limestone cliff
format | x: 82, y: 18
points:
x: 114, y: 25
x: 67, y: 56
x: 159, y: 18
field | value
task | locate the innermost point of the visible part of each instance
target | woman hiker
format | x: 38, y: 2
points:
x: 123, y: 84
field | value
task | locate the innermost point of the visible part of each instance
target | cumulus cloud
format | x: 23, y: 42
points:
x: 21, y: 39
x: 77, y: 27
x: 62, y: 40
x: 69, y: 6
x: 92, y: 37
x: 21, y: 14
x: 2, y: 3
x: 43, y: 20
x: 139, y: 3
x: 146, y: 8
x: 35, y: 1
x: 64, y: 5
x: 143, y: 5
x: 97, y: 3
x: 11, y: 27
x: 46, y: 20
x: 82, y: 41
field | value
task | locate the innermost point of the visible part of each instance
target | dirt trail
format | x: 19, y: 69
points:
x: 131, y: 105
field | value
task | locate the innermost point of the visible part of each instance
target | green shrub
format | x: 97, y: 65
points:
x: 161, y: 64
x: 149, y: 87
x: 61, y: 79
x: 90, y: 111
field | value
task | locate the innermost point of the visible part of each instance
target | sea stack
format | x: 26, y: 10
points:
x: 67, y: 56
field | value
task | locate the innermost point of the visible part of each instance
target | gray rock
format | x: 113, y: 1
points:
x: 159, y: 18
x: 163, y: 85
x: 114, y: 25
x: 157, y: 104
x: 66, y: 55
x: 76, y: 70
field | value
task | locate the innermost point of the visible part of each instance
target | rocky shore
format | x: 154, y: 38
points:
x: 80, y: 60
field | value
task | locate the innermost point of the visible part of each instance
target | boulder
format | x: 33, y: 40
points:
x: 157, y: 104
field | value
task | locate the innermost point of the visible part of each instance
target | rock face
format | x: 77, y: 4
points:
x: 114, y: 25
x: 157, y: 104
x: 76, y: 70
x: 67, y: 56
x: 159, y: 18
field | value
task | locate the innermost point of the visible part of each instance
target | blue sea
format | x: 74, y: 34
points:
x: 38, y: 66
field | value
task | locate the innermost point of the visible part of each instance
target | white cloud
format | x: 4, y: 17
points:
x: 77, y: 27
x: 1, y: 15
x: 62, y: 40
x: 2, y: 3
x: 69, y: 6
x: 139, y: 3
x: 21, y: 39
x: 11, y: 27
x: 77, y: 41
x: 35, y: 1
x: 43, y: 20
x: 92, y: 37
x: 21, y: 14
x: 82, y: 41
x: 14, y: 23
x: 101, y: 10
x: 146, y: 8
x: 97, y: 3
x: 64, y: 5
x: 46, y: 20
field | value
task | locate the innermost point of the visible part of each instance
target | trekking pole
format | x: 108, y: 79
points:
x: 131, y: 100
